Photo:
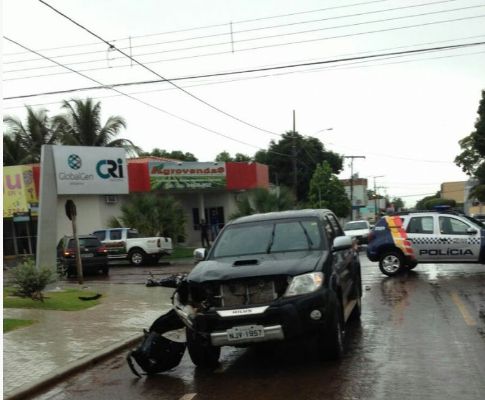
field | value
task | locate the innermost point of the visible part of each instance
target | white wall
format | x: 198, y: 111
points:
x: 94, y: 213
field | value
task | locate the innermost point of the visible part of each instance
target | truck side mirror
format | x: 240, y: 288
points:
x: 199, y: 254
x: 342, y: 243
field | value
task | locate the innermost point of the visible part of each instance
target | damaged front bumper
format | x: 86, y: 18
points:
x: 286, y: 318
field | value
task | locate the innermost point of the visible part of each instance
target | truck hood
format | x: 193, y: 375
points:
x: 226, y: 268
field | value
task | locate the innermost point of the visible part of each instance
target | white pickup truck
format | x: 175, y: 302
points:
x: 126, y: 243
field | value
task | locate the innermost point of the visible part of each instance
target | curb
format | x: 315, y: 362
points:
x: 72, y: 368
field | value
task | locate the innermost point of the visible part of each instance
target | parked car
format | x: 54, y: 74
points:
x: 402, y: 241
x: 128, y: 244
x: 94, y: 255
x: 272, y: 277
x: 359, y: 230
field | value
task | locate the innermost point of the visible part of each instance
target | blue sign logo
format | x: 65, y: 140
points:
x: 107, y: 169
x: 74, y: 161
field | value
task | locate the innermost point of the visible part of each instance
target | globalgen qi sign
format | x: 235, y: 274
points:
x: 90, y: 170
x: 187, y: 175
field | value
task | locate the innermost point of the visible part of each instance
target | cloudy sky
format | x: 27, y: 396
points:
x: 404, y: 112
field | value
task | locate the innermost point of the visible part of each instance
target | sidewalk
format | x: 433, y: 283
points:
x: 61, y: 341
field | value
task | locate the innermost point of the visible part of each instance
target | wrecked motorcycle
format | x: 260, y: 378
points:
x: 158, y: 351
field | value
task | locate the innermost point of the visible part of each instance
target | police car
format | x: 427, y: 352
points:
x: 402, y: 241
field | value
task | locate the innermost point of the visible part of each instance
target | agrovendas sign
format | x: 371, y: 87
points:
x: 187, y: 175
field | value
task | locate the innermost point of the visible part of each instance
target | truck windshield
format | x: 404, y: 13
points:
x: 269, y: 237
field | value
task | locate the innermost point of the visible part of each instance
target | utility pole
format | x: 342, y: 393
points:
x: 375, y: 196
x: 293, y: 155
x: 352, y: 184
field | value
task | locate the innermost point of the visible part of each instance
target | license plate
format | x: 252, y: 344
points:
x: 245, y: 332
x: 87, y: 255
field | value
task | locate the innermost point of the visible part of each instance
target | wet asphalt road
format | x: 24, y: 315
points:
x: 421, y: 336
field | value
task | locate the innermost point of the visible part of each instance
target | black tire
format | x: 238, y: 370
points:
x: 137, y: 257
x: 357, y: 292
x: 331, y: 342
x: 201, y: 352
x: 412, y: 265
x: 357, y: 310
x: 391, y: 262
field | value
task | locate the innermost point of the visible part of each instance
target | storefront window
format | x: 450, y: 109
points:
x: 8, y: 237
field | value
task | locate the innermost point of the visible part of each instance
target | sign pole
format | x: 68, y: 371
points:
x: 71, y: 214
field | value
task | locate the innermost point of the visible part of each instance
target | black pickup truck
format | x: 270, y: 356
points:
x: 268, y: 277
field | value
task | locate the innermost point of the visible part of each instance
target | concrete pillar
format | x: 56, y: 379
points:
x: 47, y: 219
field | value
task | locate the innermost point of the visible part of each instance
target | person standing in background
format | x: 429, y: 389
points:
x: 204, y: 233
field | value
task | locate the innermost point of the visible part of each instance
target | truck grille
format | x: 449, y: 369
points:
x: 247, y: 292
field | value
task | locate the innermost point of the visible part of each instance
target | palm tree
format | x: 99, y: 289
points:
x: 13, y: 153
x: 23, y: 143
x: 262, y: 201
x: 81, y: 126
x: 152, y: 214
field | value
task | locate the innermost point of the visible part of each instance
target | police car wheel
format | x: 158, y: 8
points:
x: 391, y: 263
x: 412, y: 265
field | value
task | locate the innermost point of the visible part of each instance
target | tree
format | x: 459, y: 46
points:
x: 153, y: 214
x: 309, y: 153
x: 81, y: 126
x: 421, y: 204
x: 472, y: 158
x: 432, y: 203
x: 263, y: 200
x: 23, y: 143
x: 398, y: 203
x: 174, y: 154
x: 224, y: 156
x: 13, y: 152
x: 326, y: 191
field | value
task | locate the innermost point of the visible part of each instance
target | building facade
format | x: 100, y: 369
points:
x: 460, y: 191
x: 205, y: 191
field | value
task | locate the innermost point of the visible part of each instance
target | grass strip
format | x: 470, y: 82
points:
x: 65, y: 300
x: 10, y: 324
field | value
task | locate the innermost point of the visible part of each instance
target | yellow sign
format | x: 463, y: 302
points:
x: 18, y: 190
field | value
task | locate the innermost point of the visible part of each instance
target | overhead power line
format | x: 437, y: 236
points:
x: 219, y: 74
x: 265, y: 46
x: 157, y: 74
x: 246, y: 31
x: 136, y: 99
x: 312, y: 70
x: 209, y: 26
x: 149, y: 104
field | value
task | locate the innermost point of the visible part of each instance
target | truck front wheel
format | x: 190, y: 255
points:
x: 136, y: 257
x: 201, y: 352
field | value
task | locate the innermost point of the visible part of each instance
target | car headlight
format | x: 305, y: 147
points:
x: 302, y: 284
